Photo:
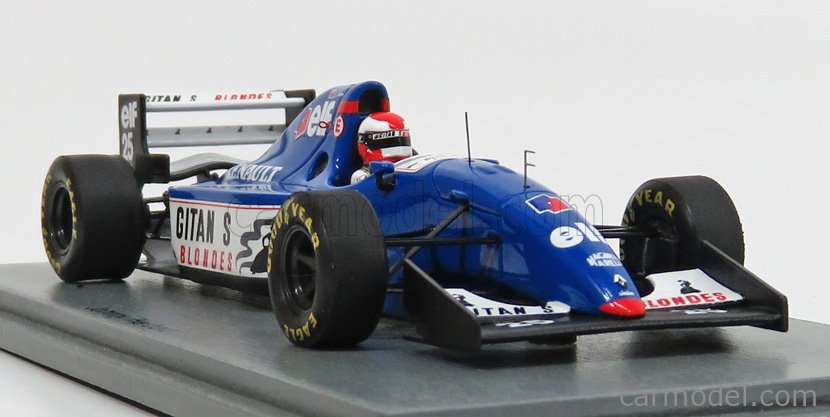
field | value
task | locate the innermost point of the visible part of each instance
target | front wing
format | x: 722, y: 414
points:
x: 442, y: 320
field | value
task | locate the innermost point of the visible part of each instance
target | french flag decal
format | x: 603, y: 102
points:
x: 544, y: 203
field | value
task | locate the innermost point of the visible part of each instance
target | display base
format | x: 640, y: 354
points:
x: 191, y: 350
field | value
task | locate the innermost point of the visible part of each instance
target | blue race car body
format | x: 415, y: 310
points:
x: 544, y: 245
x: 476, y: 253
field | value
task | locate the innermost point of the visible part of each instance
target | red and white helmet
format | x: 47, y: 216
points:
x: 383, y: 136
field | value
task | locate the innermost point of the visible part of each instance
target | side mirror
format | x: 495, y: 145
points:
x: 381, y: 167
x: 383, y: 171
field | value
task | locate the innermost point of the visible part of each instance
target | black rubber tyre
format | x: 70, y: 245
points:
x: 327, y: 268
x: 92, y: 217
x: 683, y: 211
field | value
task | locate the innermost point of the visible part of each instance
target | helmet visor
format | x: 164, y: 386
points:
x: 387, y: 139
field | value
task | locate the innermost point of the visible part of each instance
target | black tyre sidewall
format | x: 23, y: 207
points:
x: 696, y: 208
x: 108, y: 212
x: 351, y: 268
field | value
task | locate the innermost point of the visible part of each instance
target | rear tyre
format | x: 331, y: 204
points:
x: 327, y: 268
x: 682, y: 212
x: 92, y: 217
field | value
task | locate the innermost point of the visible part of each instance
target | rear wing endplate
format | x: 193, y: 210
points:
x: 136, y: 138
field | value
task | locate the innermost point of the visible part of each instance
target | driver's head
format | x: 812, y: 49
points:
x: 383, y: 136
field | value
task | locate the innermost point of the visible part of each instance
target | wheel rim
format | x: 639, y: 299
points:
x: 62, y: 222
x: 300, y: 269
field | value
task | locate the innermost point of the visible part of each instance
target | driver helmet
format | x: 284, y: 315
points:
x: 383, y: 136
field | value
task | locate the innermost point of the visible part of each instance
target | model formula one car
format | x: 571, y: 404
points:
x: 472, y: 251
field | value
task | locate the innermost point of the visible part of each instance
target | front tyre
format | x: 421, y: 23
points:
x: 92, y: 217
x: 327, y: 268
x: 681, y: 213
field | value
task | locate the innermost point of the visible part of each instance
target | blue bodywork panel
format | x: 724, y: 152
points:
x: 548, y: 251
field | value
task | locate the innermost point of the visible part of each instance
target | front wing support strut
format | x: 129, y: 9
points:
x: 438, y: 229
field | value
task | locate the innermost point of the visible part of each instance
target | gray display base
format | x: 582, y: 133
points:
x: 191, y: 350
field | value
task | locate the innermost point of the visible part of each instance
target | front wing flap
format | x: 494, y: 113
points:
x: 443, y: 320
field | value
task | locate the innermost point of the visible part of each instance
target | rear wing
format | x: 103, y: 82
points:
x: 136, y: 138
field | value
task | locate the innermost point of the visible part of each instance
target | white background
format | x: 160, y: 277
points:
x: 609, y: 94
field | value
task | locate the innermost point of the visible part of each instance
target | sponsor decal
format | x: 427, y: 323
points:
x: 129, y: 119
x: 294, y: 209
x: 300, y: 333
x: 691, y: 287
x: 389, y: 134
x: 484, y: 307
x: 226, y: 238
x: 316, y: 120
x: 686, y: 287
x: 564, y: 237
x: 239, y: 97
x: 207, y: 97
x: 620, y: 280
x: 253, y: 173
x: 419, y: 162
x: 603, y: 259
x: 164, y: 98
x: 197, y: 226
x: 338, y: 126
x: 301, y: 127
x: 544, y: 203
x: 683, y: 300
x: 648, y: 196
x: 257, y: 239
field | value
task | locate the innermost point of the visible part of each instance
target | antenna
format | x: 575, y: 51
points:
x: 528, y: 165
x: 467, y: 126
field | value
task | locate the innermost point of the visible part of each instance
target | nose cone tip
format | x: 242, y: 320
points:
x: 624, y: 307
